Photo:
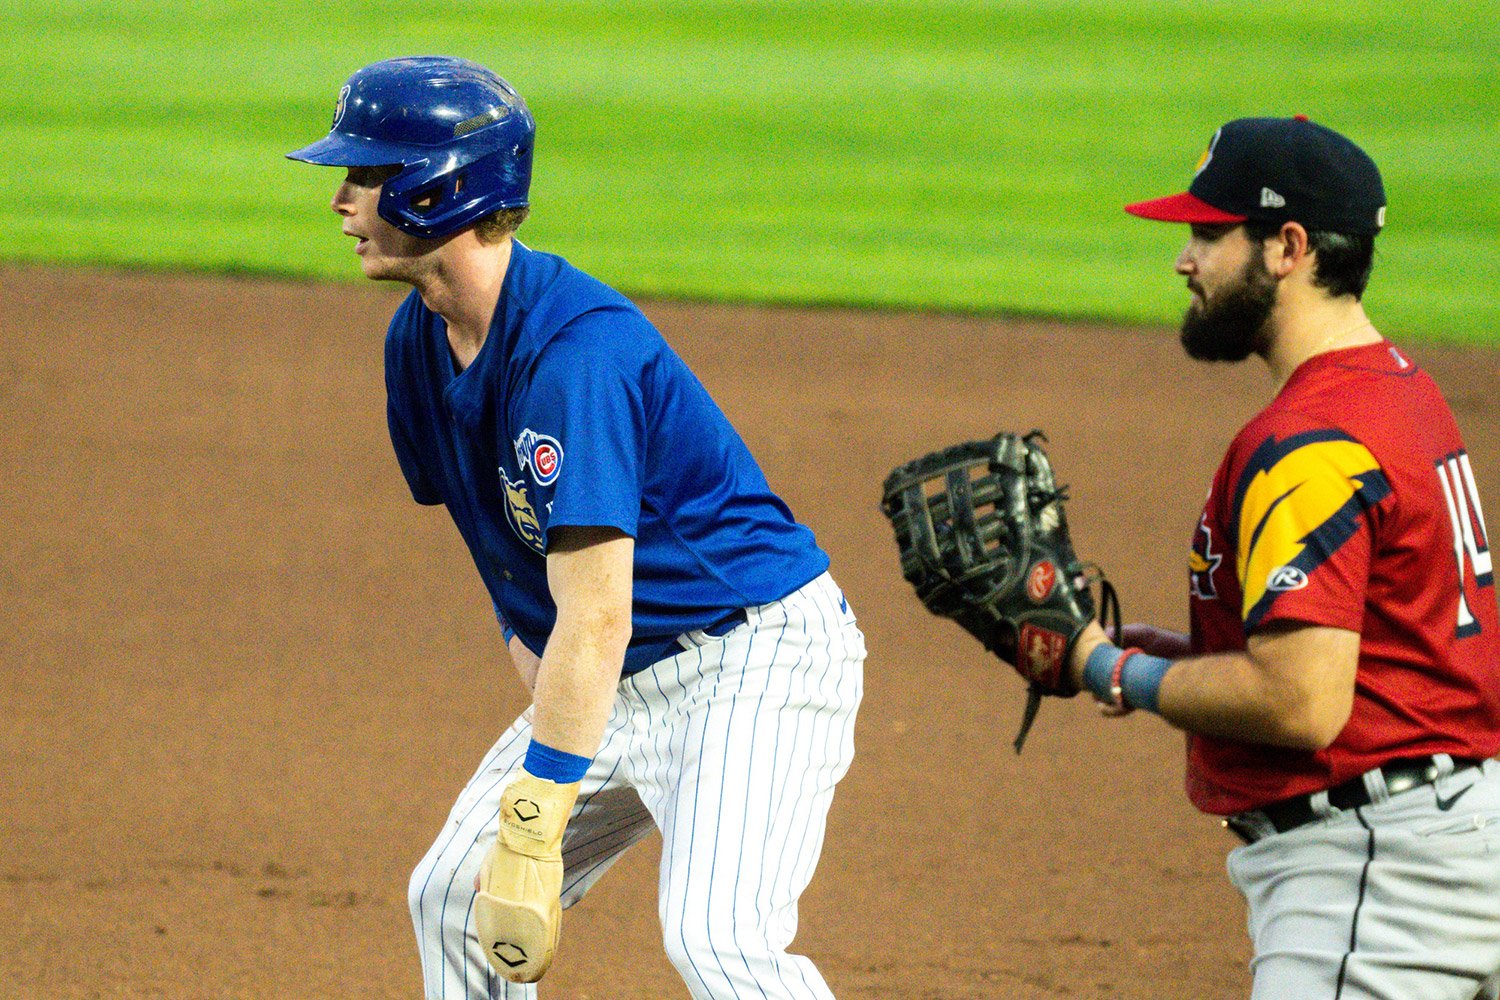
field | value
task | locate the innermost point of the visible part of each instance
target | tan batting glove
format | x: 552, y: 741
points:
x: 518, y: 910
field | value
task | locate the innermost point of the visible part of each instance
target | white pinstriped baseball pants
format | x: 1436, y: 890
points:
x: 732, y: 749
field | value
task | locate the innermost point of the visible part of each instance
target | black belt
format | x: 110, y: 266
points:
x: 661, y: 648
x: 728, y: 623
x: 1400, y: 776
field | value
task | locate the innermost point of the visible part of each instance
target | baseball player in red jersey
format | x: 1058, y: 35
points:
x: 1340, y: 687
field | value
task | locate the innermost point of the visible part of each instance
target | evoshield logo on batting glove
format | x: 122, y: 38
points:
x: 518, y: 908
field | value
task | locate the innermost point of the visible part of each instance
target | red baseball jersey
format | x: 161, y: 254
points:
x: 1350, y: 502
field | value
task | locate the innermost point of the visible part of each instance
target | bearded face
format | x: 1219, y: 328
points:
x: 1233, y: 322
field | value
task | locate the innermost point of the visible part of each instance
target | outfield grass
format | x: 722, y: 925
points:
x: 944, y: 155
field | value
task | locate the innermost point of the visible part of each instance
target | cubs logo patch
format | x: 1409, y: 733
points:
x: 522, y: 515
x: 541, y: 454
x: 1040, y: 581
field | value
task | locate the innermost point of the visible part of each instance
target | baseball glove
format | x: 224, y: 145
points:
x: 984, y: 540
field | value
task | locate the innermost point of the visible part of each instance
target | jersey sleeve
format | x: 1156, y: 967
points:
x: 583, y: 439
x: 1303, y: 509
x: 401, y: 397
x: 422, y: 490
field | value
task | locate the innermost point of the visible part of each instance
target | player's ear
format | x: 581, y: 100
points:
x: 1286, y: 249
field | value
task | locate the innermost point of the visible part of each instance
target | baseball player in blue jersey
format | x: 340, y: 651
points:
x: 693, y: 667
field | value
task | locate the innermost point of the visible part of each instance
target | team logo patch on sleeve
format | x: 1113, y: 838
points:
x: 1202, y: 562
x: 541, y: 454
x: 522, y: 515
x: 1298, y: 501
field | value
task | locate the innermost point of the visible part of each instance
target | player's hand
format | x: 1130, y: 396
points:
x: 1161, y: 642
x: 518, y: 907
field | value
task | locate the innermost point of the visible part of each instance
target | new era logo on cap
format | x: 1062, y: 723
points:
x: 1278, y: 170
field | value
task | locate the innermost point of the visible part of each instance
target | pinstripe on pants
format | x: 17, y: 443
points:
x: 732, y: 749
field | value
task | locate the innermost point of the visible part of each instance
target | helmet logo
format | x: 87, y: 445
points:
x: 338, y: 111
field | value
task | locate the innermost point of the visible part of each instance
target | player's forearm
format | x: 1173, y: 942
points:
x: 1292, y: 687
x: 1228, y: 695
x: 590, y: 572
x: 576, y: 683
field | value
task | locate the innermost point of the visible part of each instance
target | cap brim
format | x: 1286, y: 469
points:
x: 339, y: 149
x: 1182, y: 208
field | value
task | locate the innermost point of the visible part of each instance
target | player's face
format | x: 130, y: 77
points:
x: 385, y: 252
x: 1233, y: 295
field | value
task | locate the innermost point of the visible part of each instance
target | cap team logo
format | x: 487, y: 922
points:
x: 338, y: 110
x: 1040, y: 581
x: 1208, y: 154
x: 540, y: 453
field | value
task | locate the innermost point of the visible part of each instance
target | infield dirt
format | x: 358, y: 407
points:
x: 243, y: 676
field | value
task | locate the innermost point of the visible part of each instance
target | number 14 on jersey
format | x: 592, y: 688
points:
x: 1471, y: 542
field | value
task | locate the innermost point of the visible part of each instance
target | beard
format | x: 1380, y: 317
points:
x: 1235, y: 324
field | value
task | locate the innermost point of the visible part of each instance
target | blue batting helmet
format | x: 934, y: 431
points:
x: 462, y: 136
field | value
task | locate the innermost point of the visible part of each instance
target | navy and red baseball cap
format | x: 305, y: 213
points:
x: 1278, y: 170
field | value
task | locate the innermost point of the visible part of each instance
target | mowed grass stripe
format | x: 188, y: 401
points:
x: 952, y: 156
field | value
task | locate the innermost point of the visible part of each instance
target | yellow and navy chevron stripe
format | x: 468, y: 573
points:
x: 1297, y: 502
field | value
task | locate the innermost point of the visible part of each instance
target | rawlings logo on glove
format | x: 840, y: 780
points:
x: 984, y: 541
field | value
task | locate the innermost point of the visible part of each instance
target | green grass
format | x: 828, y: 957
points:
x: 943, y: 155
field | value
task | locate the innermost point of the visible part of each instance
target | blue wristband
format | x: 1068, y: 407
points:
x: 1097, y: 671
x: 1140, y: 676
x: 554, y: 765
x: 1140, y: 680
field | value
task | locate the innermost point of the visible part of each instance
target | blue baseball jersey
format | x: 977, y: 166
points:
x: 576, y: 412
